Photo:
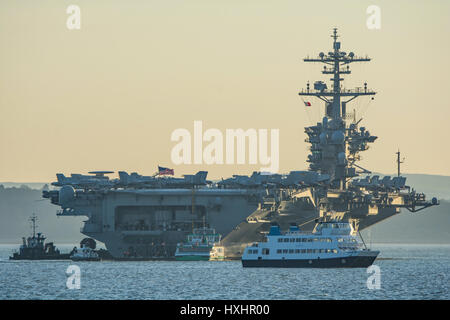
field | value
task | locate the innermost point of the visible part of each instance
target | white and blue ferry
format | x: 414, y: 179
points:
x: 332, y: 244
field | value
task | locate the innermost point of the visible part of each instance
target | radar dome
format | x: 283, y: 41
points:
x: 337, y: 137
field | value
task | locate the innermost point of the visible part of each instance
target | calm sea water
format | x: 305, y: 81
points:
x: 407, y: 272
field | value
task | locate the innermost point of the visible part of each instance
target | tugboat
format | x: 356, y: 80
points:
x: 330, y: 245
x: 34, y: 248
x: 198, y: 246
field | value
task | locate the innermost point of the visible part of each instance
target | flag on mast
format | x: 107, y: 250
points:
x: 307, y: 103
x: 164, y: 171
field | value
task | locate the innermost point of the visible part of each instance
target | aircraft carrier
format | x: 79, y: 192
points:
x: 139, y: 217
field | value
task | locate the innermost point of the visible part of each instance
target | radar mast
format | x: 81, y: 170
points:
x: 33, y: 220
x: 335, y: 146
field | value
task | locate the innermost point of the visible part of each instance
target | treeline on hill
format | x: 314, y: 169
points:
x: 17, y: 204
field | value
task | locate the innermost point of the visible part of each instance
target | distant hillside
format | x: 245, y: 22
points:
x: 31, y: 185
x: 431, y: 185
x: 431, y: 225
x: 17, y: 205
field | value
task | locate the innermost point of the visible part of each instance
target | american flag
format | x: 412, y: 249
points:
x: 163, y: 171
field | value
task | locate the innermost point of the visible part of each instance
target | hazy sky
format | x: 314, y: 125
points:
x: 108, y: 96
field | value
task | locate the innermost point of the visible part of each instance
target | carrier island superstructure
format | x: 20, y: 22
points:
x: 146, y: 216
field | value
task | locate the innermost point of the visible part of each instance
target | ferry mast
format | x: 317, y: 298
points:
x: 334, y: 145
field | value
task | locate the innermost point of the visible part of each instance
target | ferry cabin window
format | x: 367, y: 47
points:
x: 303, y: 250
x: 292, y: 240
x: 291, y: 250
x: 286, y: 239
x: 265, y: 251
x: 280, y: 239
x: 298, y: 240
x: 297, y: 250
x: 278, y: 251
x: 285, y: 251
x: 304, y: 239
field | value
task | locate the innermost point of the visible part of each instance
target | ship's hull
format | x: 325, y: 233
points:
x: 358, y: 261
x: 200, y: 253
x: 84, y: 259
x: 352, y: 262
x: 192, y: 257
x: 41, y: 257
x: 150, y: 224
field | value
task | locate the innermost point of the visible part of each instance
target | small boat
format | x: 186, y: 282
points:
x: 332, y: 244
x: 85, y: 253
x: 217, y: 253
x: 35, y: 248
x: 198, y: 246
